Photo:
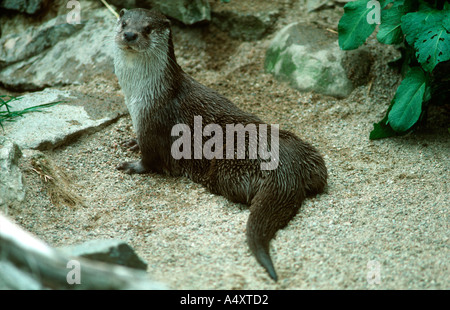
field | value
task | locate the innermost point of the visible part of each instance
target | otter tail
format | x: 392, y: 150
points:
x: 267, y: 216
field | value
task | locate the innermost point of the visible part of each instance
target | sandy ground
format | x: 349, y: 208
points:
x: 384, y: 215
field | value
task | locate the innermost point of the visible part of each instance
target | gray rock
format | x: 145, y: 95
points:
x: 312, y: 5
x: 12, y: 278
x: 28, y: 263
x: 12, y: 189
x: 186, y: 11
x: 56, y: 53
x: 60, y: 124
x: 309, y: 58
x: 127, y: 4
x: 23, y: 6
x: 108, y: 251
x: 31, y: 42
x: 244, y: 23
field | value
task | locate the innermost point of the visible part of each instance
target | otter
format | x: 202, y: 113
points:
x: 160, y: 96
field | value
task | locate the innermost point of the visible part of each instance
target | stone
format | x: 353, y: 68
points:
x: 26, y: 262
x: 108, y: 251
x: 34, y: 40
x: 12, y: 190
x: 127, y: 4
x: 57, y: 53
x: 312, y: 5
x: 23, y: 6
x: 309, y: 59
x: 188, y: 12
x: 62, y: 123
x: 245, y: 23
x: 12, y: 278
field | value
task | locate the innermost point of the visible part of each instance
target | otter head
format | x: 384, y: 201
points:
x: 144, y: 57
x: 143, y: 31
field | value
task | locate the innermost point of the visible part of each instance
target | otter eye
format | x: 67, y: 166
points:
x: 148, y: 29
x: 124, y: 23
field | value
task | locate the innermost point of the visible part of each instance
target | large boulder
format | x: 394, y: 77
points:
x: 75, y: 114
x: 23, y: 6
x: 56, y: 53
x: 309, y: 59
x: 186, y: 11
x: 245, y: 22
x: 34, y: 40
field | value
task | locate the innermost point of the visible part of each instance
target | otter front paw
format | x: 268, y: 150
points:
x: 131, y: 145
x: 132, y: 167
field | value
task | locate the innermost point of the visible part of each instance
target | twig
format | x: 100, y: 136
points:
x: 42, y: 175
x: 110, y: 9
x: 331, y: 30
x: 370, y: 87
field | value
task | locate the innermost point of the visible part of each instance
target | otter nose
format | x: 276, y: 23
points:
x: 130, y: 36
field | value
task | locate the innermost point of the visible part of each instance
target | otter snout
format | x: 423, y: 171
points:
x: 130, y: 36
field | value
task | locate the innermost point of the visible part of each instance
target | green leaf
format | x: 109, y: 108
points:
x: 408, y: 100
x: 390, y: 28
x: 382, y: 129
x: 427, y: 31
x: 433, y: 47
x: 385, y: 3
x: 415, y: 22
x: 353, y: 27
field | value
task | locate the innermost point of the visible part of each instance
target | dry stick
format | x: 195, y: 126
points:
x: 110, y: 9
x: 370, y: 87
x: 331, y: 30
x: 42, y: 175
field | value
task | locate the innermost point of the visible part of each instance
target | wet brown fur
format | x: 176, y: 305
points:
x: 173, y: 97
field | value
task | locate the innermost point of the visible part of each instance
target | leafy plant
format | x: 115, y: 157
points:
x: 423, y: 30
x: 10, y: 116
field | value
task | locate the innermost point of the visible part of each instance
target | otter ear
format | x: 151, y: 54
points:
x: 122, y: 11
x: 167, y: 23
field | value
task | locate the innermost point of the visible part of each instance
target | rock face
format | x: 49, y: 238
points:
x: 23, y: 6
x: 309, y: 58
x: 61, y: 123
x: 77, y: 53
x: 32, y: 41
x: 186, y: 11
x: 11, y: 186
x: 245, y: 23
